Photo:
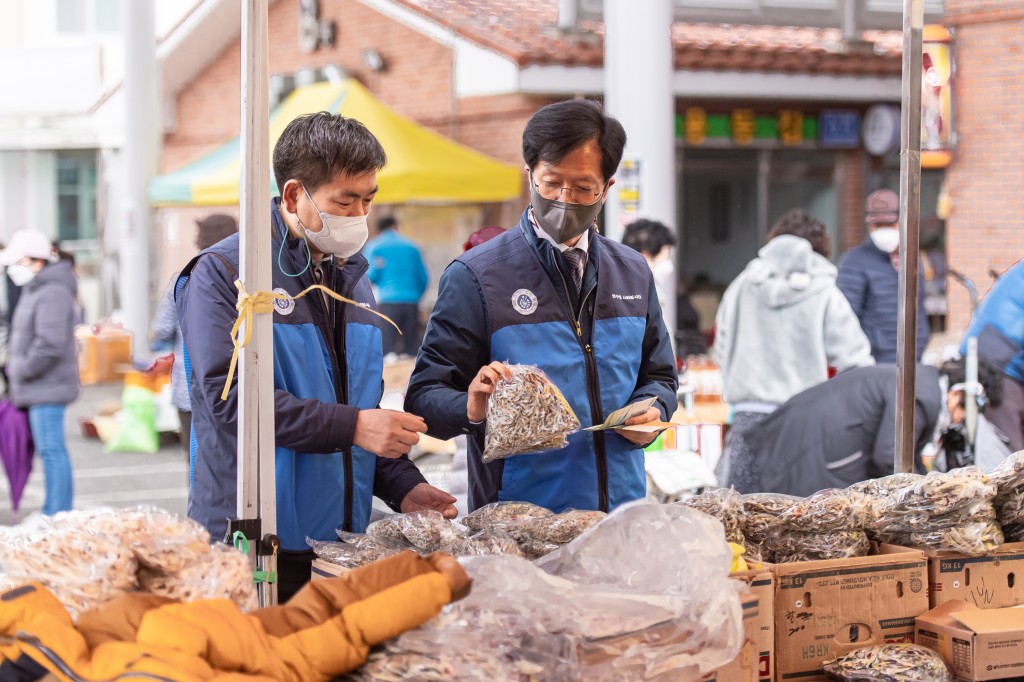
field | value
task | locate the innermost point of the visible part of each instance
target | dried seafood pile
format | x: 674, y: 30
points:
x: 827, y: 525
x: 944, y: 511
x: 537, y: 530
x: 889, y: 663
x: 89, y: 557
x: 527, y: 413
x: 666, y: 611
x: 724, y: 504
x: 1009, y: 479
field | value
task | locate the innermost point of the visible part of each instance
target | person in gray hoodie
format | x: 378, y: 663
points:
x: 42, y: 366
x: 780, y: 327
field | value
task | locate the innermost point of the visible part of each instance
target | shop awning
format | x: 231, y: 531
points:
x: 423, y: 167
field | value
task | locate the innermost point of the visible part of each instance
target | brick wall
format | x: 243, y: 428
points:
x: 986, y: 180
x: 417, y: 82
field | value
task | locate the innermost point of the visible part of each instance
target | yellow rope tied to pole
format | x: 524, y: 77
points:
x: 261, y: 303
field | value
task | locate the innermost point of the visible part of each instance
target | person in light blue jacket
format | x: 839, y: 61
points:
x: 398, y: 272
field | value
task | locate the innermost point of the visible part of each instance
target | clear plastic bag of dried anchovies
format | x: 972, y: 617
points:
x: 527, y: 413
x: 889, y: 663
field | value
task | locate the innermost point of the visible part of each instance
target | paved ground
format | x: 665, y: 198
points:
x: 103, y: 478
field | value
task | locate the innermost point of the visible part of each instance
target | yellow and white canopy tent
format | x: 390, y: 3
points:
x: 423, y: 166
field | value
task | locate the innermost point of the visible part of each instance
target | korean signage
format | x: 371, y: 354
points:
x: 936, y: 99
x: 627, y: 181
x: 744, y: 127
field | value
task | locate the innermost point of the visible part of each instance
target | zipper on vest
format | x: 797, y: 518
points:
x: 67, y: 671
x: 593, y: 394
x: 347, y: 454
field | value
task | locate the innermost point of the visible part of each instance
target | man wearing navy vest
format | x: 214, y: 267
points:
x: 553, y: 293
x: 335, y: 448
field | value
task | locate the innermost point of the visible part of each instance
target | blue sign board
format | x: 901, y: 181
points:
x: 840, y: 129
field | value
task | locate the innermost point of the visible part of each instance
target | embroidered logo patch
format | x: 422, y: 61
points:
x: 283, y: 306
x: 525, y: 302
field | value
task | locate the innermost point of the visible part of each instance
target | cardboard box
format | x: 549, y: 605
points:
x: 756, y: 659
x: 824, y: 609
x: 325, y: 569
x: 102, y: 357
x: 988, y: 582
x: 976, y: 644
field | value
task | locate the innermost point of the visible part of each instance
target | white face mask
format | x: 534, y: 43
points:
x: 340, y: 236
x: 20, y: 274
x: 886, y: 238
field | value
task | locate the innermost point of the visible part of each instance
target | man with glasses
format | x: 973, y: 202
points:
x: 552, y: 293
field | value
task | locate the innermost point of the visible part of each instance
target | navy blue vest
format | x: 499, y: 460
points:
x: 592, y: 355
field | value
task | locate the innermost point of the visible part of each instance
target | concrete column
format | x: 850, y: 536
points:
x: 638, y: 67
x: 141, y: 150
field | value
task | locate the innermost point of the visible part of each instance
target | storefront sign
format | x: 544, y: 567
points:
x: 696, y: 126
x: 743, y: 126
x: 882, y: 129
x: 936, y: 99
x: 840, y: 129
x: 791, y: 127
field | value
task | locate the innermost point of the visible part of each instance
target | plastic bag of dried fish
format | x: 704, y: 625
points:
x: 420, y: 529
x: 221, y: 573
x: 885, y: 486
x: 562, y: 528
x: 975, y: 539
x: 503, y: 515
x: 1010, y: 508
x: 1014, y: 532
x: 724, y: 504
x: 527, y: 413
x: 354, y: 550
x: 889, y: 663
x: 761, y: 511
x: 893, y: 522
x: 827, y: 510
x: 1009, y: 474
x: 941, y: 493
x: 788, y: 547
x: 484, y: 543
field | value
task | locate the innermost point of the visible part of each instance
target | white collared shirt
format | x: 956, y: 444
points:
x: 583, y: 244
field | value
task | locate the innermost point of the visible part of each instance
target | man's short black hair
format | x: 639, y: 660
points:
x: 314, y: 148
x: 648, y: 236
x: 387, y: 223
x: 557, y: 129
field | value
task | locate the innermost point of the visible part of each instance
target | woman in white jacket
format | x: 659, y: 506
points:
x: 781, y: 324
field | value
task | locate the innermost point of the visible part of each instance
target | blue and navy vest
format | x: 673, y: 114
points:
x: 592, y: 354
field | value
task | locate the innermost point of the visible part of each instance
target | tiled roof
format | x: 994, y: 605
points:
x: 526, y: 31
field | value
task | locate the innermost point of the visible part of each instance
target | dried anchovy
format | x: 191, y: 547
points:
x: 827, y: 510
x: 387, y: 529
x: 421, y: 529
x: 562, y: 528
x: 975, y: 539
x: 353, y: 555
x: 526, y: 413
x: 503, y: 515
x: 532, y: 548
x: 1010, y: 508
x: 885, y: 486
x: 942, y: 493
x: 889, y: 663
x: 1009, y: 475
x: 791, y: 547
x: 1014, y: 532
x: 761, y: 511
x: 894, y: 521
x: 724, y: 504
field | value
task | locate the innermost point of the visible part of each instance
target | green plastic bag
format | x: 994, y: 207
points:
x: 136, y: 430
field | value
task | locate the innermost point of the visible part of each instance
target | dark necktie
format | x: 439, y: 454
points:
x: 572, y: 261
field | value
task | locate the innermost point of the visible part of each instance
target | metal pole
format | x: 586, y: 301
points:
x: 910, y: 224
x: 257, y: 495
x: 971, y: 391
x: 141, y: 149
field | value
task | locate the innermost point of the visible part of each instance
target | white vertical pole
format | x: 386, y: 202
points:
x: 639, y: 72
x: 257, y: 496
x: 910, y: 227
x: 141, y: 149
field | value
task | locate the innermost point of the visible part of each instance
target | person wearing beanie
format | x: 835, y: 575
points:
x: 209, y: 231
x: 869, y: 278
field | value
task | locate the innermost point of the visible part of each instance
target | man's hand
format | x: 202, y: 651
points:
x: 639, y: 438
x: 459, y: 581
x: 388, y: 433
x: 481, y: 388
x: 425, y: 496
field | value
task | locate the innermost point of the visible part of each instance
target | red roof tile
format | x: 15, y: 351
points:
x: 526, y: 31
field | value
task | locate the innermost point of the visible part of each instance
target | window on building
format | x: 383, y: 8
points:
x: 88, y: 16
x: 108, y: 16
x: 76, y: 195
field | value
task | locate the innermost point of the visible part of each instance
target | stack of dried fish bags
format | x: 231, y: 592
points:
x: 645, y: 596
x: 1008, y: 478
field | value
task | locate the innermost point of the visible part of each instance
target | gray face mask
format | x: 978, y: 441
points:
x: 563, y: 222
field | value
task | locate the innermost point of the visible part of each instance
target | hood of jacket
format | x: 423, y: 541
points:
x: 60, y: 273
x: 787, y: 271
